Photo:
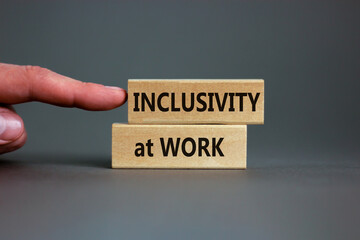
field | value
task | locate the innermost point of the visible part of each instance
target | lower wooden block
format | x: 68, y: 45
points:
x: 179, y: 146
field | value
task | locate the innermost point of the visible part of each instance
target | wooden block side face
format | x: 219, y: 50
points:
x: 176, y: 146
x: 196, y: 101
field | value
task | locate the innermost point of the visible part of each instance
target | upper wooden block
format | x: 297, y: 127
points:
x: 217, y: 101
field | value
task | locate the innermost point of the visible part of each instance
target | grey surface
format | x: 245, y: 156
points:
x: 77, y: 197
x: 303, y: 179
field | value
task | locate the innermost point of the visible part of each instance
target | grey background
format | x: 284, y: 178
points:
x: 303, y: 180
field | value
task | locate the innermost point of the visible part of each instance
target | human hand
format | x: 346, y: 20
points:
x: 19, y: 84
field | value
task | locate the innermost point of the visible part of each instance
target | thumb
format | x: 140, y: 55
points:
x: 12, y: 131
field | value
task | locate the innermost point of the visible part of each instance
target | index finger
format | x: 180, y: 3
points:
x: 20, y: 84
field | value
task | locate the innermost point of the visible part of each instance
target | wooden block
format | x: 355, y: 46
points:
x: 196, y: 101
x: 179, y: 146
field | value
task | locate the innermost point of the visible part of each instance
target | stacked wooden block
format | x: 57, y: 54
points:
x: 187, y: 123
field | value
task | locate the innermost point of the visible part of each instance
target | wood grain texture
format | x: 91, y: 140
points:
x: 228, y: 153
x: 217, y: 101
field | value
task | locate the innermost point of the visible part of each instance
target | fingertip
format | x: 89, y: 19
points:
x: 96, y: 97
x: 115, y: 97
x: 121, y: 95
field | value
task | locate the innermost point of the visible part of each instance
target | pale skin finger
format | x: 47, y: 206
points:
x: 20, y: 84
